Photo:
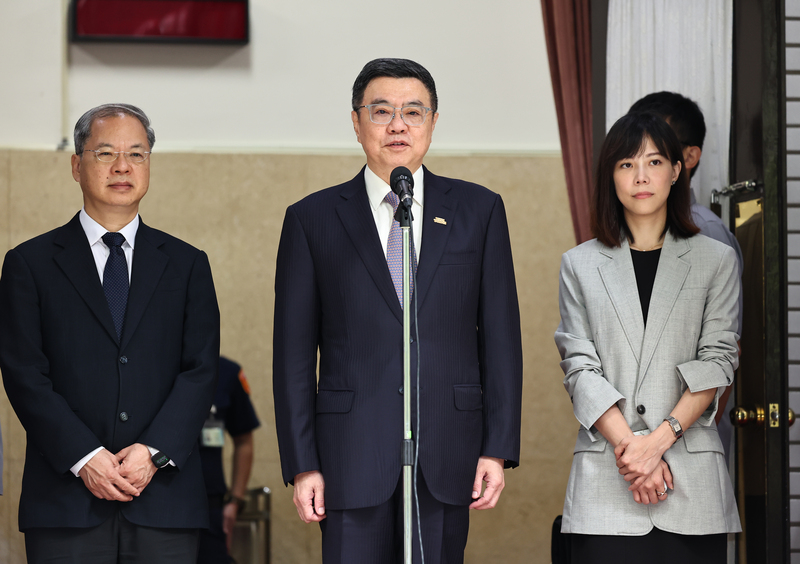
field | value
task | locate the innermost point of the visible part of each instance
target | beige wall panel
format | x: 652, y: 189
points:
x: 42, y: 193
x: 5, y: 179
x: 232, y: 206
x: 9, y: 426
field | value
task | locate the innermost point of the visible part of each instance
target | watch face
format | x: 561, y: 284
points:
x: 160, y: 460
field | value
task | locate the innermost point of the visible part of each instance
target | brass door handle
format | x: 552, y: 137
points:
x: 775, y: 415
x: 742, y: 416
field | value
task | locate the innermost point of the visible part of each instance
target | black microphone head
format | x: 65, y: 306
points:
x: 399, y: 174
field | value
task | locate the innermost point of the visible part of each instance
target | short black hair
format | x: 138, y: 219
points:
x: 626, y: 139
x: 683, y: 114
x: 393, y: 68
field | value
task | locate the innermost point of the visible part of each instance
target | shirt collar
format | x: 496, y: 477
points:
x: 94, y: 231
x: 377, y: 188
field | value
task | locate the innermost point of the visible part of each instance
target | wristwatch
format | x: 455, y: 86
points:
x: 160, y: 459
x: 676, y: 426
x: 239, y: 501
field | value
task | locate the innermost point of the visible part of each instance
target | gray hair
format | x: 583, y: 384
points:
x: 83, y: 127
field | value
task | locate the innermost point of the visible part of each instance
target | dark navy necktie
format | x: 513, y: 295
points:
x: 115, y: 279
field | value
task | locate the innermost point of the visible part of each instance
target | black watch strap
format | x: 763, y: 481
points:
x: 160, y: 459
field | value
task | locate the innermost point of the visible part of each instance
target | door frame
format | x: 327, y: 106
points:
x: 776, y: 389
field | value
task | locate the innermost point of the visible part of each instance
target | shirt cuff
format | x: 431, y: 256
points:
x: 82, y: 462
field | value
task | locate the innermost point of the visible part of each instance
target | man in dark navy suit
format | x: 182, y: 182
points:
x: 340, y: 432
x: 109, y: 347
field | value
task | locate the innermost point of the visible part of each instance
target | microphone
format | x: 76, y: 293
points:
x: 402, y: 184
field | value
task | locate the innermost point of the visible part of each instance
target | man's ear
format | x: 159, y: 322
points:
x: 76, y: 167
x: 691, y: 156
x: 356, y: 125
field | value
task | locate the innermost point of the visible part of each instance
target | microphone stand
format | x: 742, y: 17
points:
x: 403, y: 216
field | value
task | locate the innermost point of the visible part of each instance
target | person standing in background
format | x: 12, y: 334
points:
x: 233, y: 412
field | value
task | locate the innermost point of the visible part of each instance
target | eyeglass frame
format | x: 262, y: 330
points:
x: 118, y: 153
x: 394, y: 113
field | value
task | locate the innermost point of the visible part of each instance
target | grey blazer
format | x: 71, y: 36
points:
x: 609, y: 357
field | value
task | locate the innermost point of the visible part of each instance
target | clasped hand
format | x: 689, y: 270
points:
x: 121, y: 476
x: 639, y: 461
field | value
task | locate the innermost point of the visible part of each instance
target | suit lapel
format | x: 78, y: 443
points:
x: 670, y: 276
x: 438, y: 203
x: 358, y: 221
x: 619, y: 280
x: 75, y: 259
x: 148, y: 266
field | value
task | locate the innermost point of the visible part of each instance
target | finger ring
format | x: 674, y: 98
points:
x: 659, y: 494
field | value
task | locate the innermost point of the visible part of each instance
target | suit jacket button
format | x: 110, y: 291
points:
x: 123, y: 360
x: 123, y: 416
x: 640, y: 409
x: 400, y: 390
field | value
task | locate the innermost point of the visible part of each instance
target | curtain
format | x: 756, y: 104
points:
x: 567, y: 26
x: 683, y: 46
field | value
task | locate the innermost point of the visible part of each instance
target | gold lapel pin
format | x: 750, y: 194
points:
x: 439, y: 220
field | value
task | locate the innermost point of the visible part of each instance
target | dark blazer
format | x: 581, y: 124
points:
x: 334, y: 294
x: 75, y: 388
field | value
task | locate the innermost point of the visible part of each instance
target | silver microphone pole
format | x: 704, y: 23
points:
x: 408, y: 441
x: 402, y: 184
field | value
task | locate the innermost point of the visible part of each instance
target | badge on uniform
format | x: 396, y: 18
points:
x: 213, y: 434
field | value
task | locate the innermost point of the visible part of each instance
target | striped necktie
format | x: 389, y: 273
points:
x: 394, y: 252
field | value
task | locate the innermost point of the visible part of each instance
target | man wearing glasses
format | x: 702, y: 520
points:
x: 340, y: 432
x: 109, y: 347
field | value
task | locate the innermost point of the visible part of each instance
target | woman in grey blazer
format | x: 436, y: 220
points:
x: 648, y: 343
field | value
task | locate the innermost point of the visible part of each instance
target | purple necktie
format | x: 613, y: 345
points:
x: 115, y: 279
x: 394, y: 252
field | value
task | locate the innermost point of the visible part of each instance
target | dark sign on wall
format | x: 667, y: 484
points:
x: 160, y: 21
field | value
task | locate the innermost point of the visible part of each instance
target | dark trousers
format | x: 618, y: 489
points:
x: 116, y: 541
x: 656, y: 547
x: 374, y: 535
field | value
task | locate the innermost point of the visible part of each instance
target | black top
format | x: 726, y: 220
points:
x: 645, y: 265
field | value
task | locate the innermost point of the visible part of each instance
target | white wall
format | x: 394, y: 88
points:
x: 489, y: 61
x: 31, y: 73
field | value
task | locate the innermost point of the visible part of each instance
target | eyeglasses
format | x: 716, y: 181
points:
x: 136, y: 157
x: 383, y: 114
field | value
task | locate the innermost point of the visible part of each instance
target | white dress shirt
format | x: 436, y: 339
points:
x: 382, y: 210
x: 100, y: 251
x: 94, y: 233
